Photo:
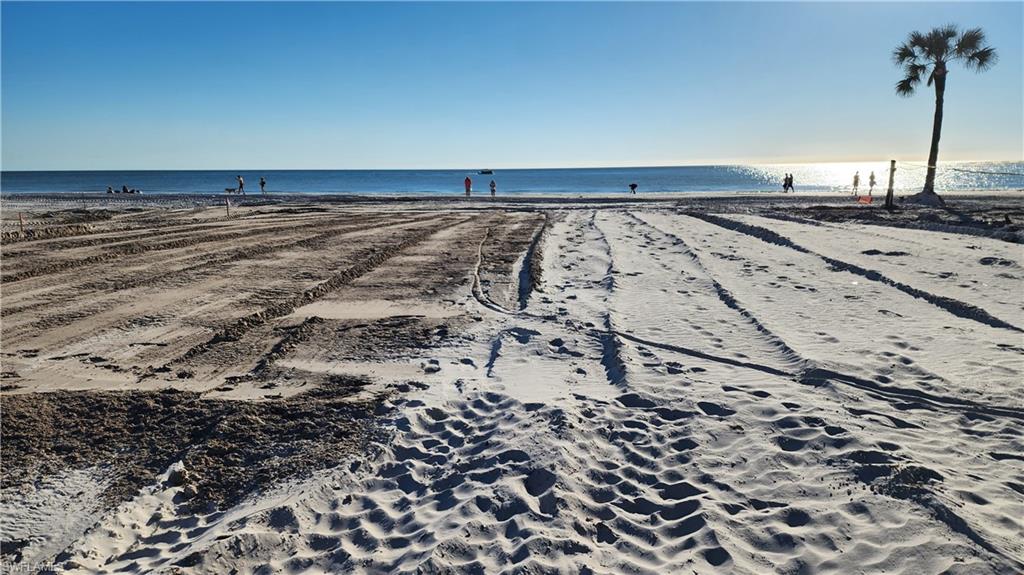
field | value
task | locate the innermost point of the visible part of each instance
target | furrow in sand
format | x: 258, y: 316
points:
x: 113, y: 253
x: 886, y: 336
x: 188, y: 224
x: 502, y: 248
x: 611, y: 345
x: 725, y: 295
x: 818, y: 376
x: 549, y: 334
x: 212, y: 269
x: 951, y: 305
x: 294, y: 336
x: 182, y: 319
x: 210, y: 260
x: 970, y: 228
x: 114, y: 233
x: 982, y: 272
x: 701, y: 355
x: 816, y: 373
x: 606, y: 339
x: 477, y: 290
x: 82, y: 224
x: 366, y: 262
x: 866, y: 465
x: 529, y: 275
x: 444, y: 247
x: 217, y: 258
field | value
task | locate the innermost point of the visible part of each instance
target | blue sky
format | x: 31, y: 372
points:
x: 337, y: 85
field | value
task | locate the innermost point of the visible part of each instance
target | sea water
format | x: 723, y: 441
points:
x: 823, y: 178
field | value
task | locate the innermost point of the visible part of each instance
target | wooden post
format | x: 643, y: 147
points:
x: 889, y: 192
x: 21, y: 222
x: 227, y: 207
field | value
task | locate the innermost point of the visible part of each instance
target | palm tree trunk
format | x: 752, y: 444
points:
x: 933, y: 153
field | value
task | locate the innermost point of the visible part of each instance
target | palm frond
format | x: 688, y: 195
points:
x: 981, y: 59
x: 915, y: 70
x: 923, y: 55
x: 969, y: 42
x: 904, y: 54
x: 906, y: 86
x: 918, y: 40
x: 939, y: 42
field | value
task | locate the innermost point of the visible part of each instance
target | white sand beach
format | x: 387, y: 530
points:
x: 659, y: 387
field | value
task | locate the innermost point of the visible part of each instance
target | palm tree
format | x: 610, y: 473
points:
x: 927, y: 56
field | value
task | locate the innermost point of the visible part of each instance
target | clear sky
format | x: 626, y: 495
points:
x: 453, y: 85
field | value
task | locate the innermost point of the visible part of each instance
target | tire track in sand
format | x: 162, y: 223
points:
x: 951, y: 305
x: 918, y: 484
x: 787, y: 357
x: 810, y: 372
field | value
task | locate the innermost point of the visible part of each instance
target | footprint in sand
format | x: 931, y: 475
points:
x: 715, y: 409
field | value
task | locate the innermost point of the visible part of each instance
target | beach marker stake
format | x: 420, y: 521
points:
x: 888, y: 193
x: 21, y: 222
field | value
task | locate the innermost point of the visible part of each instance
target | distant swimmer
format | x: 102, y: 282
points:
x: 856, y: 182
x: 494, y: 188
x: 469, y: 185
x: 632, y: 188
x: 241, y: 185
x: 871, y: 183
x: 263, y: 185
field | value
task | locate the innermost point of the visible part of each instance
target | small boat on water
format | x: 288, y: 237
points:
x: 486, y: 172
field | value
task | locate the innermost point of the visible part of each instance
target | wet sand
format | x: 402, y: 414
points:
x: 740, y: 384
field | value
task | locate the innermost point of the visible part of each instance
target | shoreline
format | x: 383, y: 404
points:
x: 482, y: 197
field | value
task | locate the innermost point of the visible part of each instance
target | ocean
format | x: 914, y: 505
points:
x: 835, y: 177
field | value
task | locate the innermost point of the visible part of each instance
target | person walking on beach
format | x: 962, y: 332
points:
x: 632, y: 188
x: 791, y: 188
x: 469, y: 185
x: 241, y: 185
x: 856, y: 182
x: 494, y: 188
x: 871, y: 183
x: 263, y: 184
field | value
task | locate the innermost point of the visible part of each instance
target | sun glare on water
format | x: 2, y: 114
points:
x: 839, y: 176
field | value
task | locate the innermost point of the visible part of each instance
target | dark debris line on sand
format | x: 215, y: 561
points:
x: 230, y: 449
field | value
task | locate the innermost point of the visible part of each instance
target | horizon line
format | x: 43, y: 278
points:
x: 477, y: 168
